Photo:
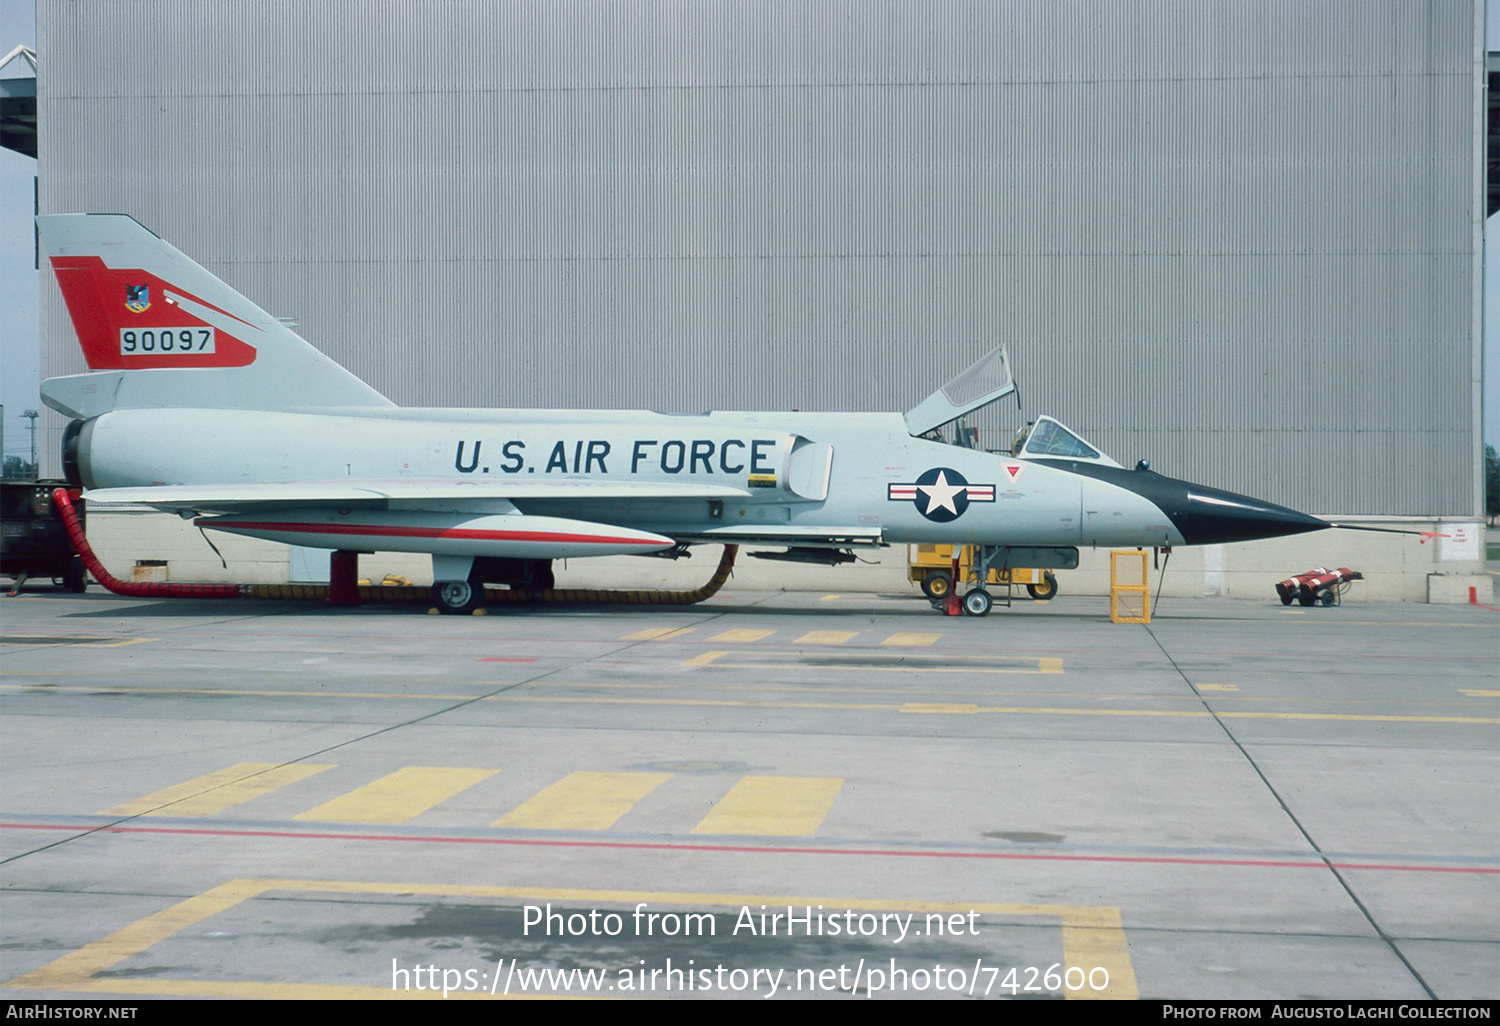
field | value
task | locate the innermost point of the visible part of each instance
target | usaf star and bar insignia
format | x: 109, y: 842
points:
x: 941, y: 494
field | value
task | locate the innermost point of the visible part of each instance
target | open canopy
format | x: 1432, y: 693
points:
x: 972, y: 389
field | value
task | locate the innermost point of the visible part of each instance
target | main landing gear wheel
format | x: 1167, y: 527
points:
x: 937, y: 584
x: 457, y: 597
x: 977, y: 602
x: 1046, y: 589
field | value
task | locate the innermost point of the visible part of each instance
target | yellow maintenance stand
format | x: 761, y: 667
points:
x: 1129, y: 587
x: 931, y: 566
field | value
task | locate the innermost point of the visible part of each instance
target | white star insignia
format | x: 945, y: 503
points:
x: 940, y: 494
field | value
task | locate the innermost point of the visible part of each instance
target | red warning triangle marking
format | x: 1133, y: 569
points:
x: 1014, y: 470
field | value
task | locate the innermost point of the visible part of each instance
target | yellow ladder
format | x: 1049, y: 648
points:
x: 1129, y: 587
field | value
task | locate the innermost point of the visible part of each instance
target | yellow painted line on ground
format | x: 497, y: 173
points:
x: 658, y: 634
x: 938, y: 707
x: 1320, y: 620
x: 98, y: 676
x: 242, y: 692
x: 1361, y: 718
x: 830, y: 598
x: 75, y: 969
x: 1477, y: 693
x: 749, y: 704
x: 742, y: 634
x: 583, y: 801
x: 987, y: 692
x: 1009, y: 710
x: 944, y: 664
x: 1096, y: 937
x: 773, y: 807
x: 1216, y: 687
x: 930, y: 662
x: 63, y: 640
x: 725, y: 703
x: 1091, y: 935
x: 833, y: 689
x: 397, y: 797
x: 661, y: 686
x: 250, y: 990
x: 215, y: 792
x: 825, y: 637
x: 911, y: 639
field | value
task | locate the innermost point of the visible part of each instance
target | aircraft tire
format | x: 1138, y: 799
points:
x: 937, y: 584
x: 977, y: 602
x: 1046, y: 589
x: 457, y: 597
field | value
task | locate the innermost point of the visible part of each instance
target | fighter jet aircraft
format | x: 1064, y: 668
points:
x: 199, y: 403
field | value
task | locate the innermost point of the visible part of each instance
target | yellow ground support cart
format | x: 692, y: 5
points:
x: 931, y: 566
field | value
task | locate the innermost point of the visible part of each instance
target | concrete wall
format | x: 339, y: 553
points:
x: 1397, y: 568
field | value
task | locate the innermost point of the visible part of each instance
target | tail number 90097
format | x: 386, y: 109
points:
x: 146, y: 341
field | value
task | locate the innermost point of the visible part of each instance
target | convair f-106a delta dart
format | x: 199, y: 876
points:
x: 199, y: 403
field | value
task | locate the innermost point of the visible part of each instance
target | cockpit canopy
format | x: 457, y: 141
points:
x: 1049, y: 439
x: 981, y: 383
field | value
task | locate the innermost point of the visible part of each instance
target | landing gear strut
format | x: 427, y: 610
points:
x: 978, y: 601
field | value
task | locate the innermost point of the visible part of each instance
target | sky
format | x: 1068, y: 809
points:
x: 19, y: 285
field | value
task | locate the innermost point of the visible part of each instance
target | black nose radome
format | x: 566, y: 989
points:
x: 1203, y: 516
x: 1208, y: 516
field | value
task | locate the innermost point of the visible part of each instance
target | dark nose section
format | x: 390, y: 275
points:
x: 1203, y: 516
x: 1208, y: 516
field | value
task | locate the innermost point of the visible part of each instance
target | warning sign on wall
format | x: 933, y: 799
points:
x: 1458, y: 541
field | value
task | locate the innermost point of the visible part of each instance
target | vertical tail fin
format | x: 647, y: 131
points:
x: 158, y: 330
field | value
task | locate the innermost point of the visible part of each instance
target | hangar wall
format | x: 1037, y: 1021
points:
x: 1240, y: 238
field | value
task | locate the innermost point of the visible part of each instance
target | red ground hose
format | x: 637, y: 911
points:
x: 63, y: 499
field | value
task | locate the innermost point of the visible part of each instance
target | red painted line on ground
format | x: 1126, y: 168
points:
x: 502, y: 659
x: 747, y: 849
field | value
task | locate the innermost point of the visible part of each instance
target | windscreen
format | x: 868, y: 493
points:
x: 1049, y: 438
